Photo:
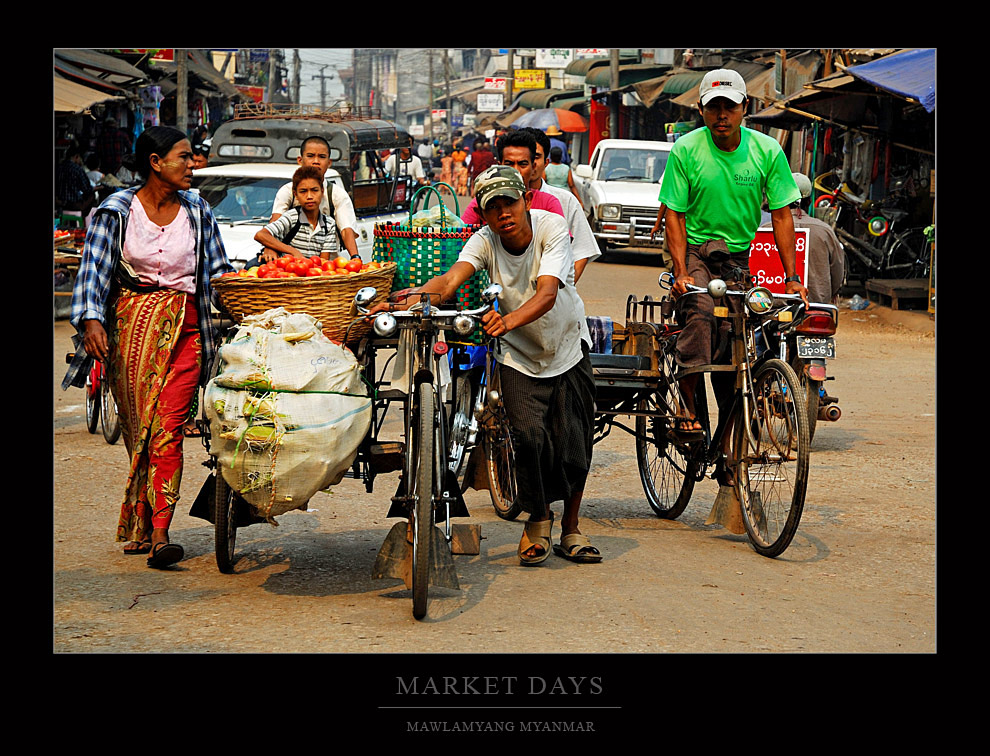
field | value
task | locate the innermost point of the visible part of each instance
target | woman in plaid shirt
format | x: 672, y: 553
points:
x: 141, y: 305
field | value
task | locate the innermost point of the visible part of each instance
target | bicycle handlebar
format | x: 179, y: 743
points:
x: 463, y: 322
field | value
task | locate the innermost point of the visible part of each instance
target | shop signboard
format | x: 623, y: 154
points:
x: 257, y: 94
x: 591, y: 52
x: 530, y: 78
x: 764, y: 260
x: 491, y: 103
x: 550, y: 57
x: 495, y: 83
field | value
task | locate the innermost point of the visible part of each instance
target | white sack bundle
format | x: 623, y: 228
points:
x: 287, y: 411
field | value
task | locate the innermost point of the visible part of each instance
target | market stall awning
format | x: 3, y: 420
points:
x: 71, y: 97
x: 104, y: 66
x: 205, y: 73
x: 535, y: 99
x: 910, y: 74
x: 629, y: 74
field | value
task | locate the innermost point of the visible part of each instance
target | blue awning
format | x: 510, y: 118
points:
x: 910, y: 74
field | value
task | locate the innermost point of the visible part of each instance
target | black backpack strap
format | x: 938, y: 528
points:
x: 294, y: 229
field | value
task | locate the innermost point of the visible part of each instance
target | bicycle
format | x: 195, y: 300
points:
x: 893, y: 253
x: 428, y: 488
x: 101, y: 407
x: 761, y: 446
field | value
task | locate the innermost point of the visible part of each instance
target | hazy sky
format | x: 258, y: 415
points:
x: 313, y: 58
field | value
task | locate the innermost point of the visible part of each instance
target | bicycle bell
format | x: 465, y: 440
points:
x: 463, y: 325
x: 385, y: 323
x: 716, y: 287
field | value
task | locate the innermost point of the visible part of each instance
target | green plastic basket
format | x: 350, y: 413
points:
x: 421, y: 253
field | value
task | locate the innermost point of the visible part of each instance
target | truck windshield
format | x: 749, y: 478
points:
x: 633, y: 165
x: 239, y: 198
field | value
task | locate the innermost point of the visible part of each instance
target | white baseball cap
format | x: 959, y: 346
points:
x: 803, y: 184
x: 722, y: 83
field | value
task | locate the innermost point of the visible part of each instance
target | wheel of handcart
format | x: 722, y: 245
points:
x: 225, y: 527
x: 422, y: 512
x: 668, y: 469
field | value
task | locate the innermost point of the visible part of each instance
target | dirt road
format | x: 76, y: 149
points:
x: 859, y: 576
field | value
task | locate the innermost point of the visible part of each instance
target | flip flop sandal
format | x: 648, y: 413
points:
x: 577, y: 548
x: 140, y: 548
x: 165, y: 554
x: 535, y: 534
x: 687, y: 434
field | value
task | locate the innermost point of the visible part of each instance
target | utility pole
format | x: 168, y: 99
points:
x: 613, y: 98
x: 450, y: 116
x: 510, y: 78
x: 323, y: 85
x: 429, y: 99
x: 182, y: 91
x: 272, y: 74
x: 296, y: 66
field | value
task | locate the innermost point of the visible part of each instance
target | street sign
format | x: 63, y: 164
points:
x: 764, y: 260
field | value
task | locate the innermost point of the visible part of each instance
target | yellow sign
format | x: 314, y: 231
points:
x: 530, y: 78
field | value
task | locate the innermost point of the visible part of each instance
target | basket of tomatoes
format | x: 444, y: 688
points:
x: 324, y: 289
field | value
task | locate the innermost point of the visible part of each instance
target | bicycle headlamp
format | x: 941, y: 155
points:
x: 877, y: 225
x: 759, y: 300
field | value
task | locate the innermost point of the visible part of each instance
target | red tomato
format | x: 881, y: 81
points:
x: 340, y: 262
x: 280, y: 262
x: 315, y: 271
x: 326, y: 264
x: 354, y: 265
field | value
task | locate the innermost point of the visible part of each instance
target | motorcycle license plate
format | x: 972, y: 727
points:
x: 820, y: 347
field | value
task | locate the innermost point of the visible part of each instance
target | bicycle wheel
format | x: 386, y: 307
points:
x: 668, y: 470
x: 465, y: 390
x: 500, y: 455
x: 224, y: 528
x: 812, y: 391
x: 92, y: 404
x: 109, y: 420
x: 422, y: 514
x: 908, y: 256
x: 771, y: 476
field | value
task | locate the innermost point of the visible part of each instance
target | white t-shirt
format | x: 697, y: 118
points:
x: 343, y: 208
x: 411, y: 167
x: 551, y: 344
x: 583, y: 242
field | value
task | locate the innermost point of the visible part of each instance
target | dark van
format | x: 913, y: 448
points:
x: 273, y: 133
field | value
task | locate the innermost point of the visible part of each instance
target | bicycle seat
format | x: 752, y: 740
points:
x: 627, y: 363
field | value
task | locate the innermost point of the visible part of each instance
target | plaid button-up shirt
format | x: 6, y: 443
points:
x: 101, y: 254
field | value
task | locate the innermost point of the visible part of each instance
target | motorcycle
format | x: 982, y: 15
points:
x: 804, y: 337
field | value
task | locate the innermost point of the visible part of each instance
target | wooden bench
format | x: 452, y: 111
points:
x: 897, y: 291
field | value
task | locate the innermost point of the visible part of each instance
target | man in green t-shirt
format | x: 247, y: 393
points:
x: 713, y: 188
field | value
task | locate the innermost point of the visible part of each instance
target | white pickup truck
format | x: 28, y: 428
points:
x: 620, y: 189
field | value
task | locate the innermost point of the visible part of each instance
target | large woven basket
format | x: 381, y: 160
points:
x: 420, y: 253
x: 329, y: 299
